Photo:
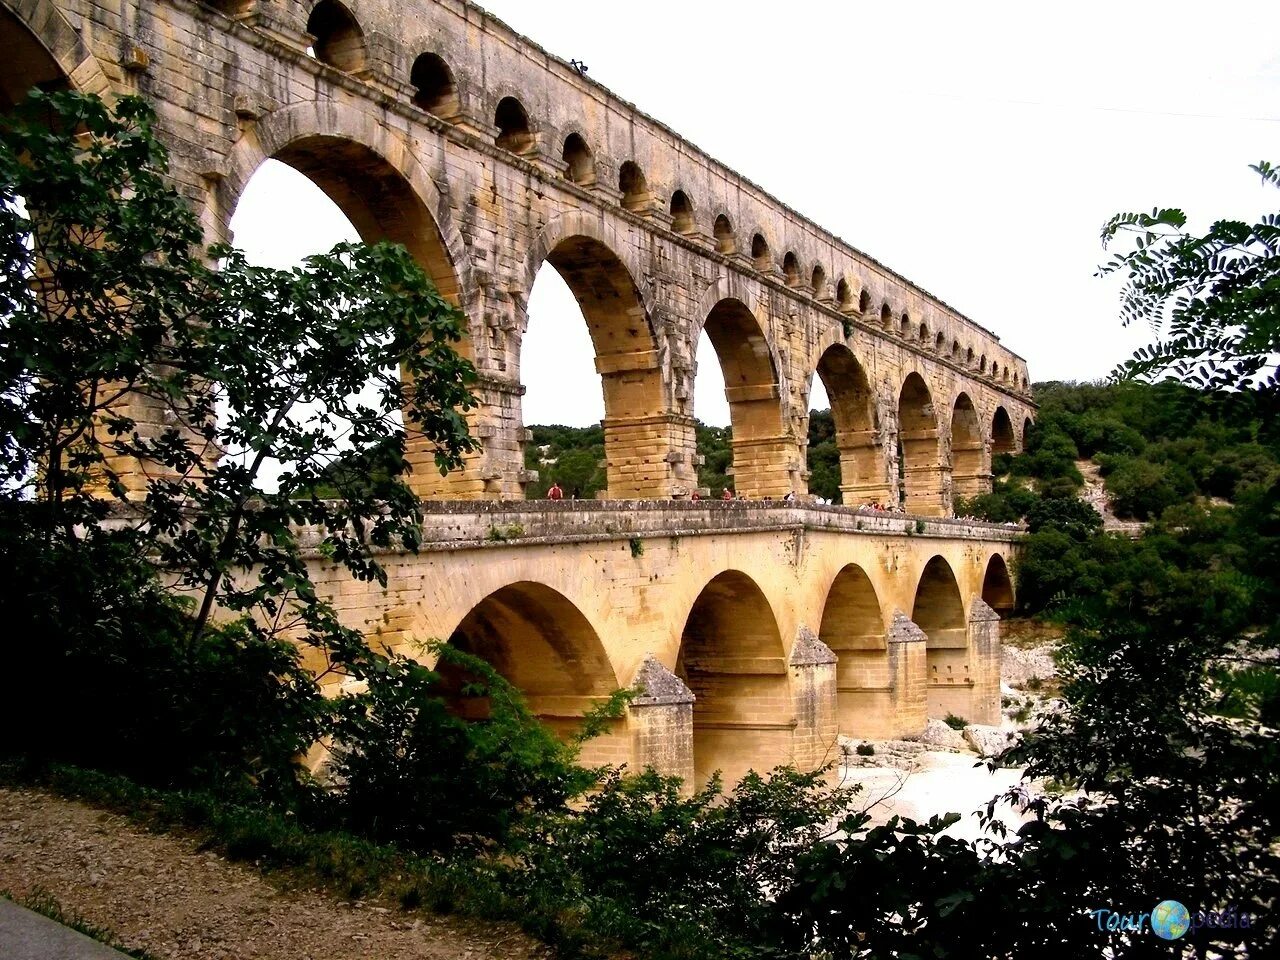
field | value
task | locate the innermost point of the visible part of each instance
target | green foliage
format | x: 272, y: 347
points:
x: 636, y: 546
x: 865, y: 750
x: 573, y: 457
x: 1214, y: 299
x: 715, y: 446
x: 823, y: 457
x: 955, y: 723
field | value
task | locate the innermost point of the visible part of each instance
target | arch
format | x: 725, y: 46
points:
x: 968, y: 356
x: 853, y: 409
x: 923, y: 334
x: 543, y: 644
x: 373, y: 178
x: 886, y: 316
x: 580, y: 165
x: 938, y: 610
x: 43, y: 50
x: 904, y: 326
x: 339, y: 41
x: 1002, y: 438
x: 752, y: 388
x: 732, y: 658
x: 1027, y: 426
x: 920, y: 454
x: 514, y: 132
x: 940, y: 342
x: 853, y: 628
x: 634, y: 186
x: 995, y: 370
x: 436, y: 91
x: 864, y: 303
x: 626, y: 348
x: 955, y: 349
x: 818, y: 280
x: 760, y: 252
x: 997, y: 586
x: 844, y: 295
x: 726, y: 242
x: 982, y: 364
x: 791, y: 269
x: 970, y: 475
x: 681, y: 212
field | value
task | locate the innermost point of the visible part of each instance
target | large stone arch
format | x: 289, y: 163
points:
x: 765, y: 458
x: 863, y: 473
x: 970, y: 467
x: 732, y: 658
x: 1002, y: 437
x: 997, y: 586
x: 43, y: 49
x: 920, y: 450
x: 371, y: 174
x: 938, y: 609
x: 601, y: 273
x: 853, y: 628
x: 544, y: 645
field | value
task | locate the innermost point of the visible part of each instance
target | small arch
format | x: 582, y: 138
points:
x: 681, y: 212
x: 726, y: 242
x: 886, y: 316
x: 923, y: 334
x: 339, y: 41
x: 791, y: 269
x: 634, y: 186
x: 940, y: 342
x: 920, y: 452
x: 997, y: 586
x: 1027, y: 425
x: 955, y: 349
x: 938, y: 610
x: 968, y: 356
x: 818, y: 280
x: 982, y: 364
x: 435, y: 89
x: 853, y: 629
x: 514, y: 133
x: 844, y: 294
x: 968, y: 474
x: 732, y: 658
x: 760, y: 252
x: 541, y: 643
x: 904, y: 327
x: 864, y: 303
x: 1002, y: 439
x: 995, y: 370
x: 580, y: 165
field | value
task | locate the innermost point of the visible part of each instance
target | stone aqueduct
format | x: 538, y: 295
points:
x: 756, y: 629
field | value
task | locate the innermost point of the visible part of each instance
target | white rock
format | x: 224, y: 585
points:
x: 938, y: 734
x: 988, y: 741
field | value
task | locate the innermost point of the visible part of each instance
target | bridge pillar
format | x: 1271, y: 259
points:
x: 926, y: 480
x: 970, y: 476
x: 661, y: 721
x: 862, y: 469
x: 497, y: 470
x: 649, y: 457
x: 984, y: 644
x: 908, y: 681
x: 766, y: 466
x: 813, y: 698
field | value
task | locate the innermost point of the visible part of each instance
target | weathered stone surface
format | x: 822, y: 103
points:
x: 903, y: 630
x: 938, y: 734
x: 808, y: 650
x: 988, y: 741
x: 659, y: 685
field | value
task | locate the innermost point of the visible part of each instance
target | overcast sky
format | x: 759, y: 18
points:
x: 976, y: 148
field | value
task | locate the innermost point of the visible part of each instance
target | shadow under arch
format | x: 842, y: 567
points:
x: 997, y: 586
x: 863, y: 477
x: 732, y: 658
x: 938, y: 610
x: 970, y: 471
x: 627, y: 353
x: 920, y: 457
x: 761, y: 456
x: 42, y: 49
x: 1002, y: 438
x: 853, y: 627
x: 546, y: 647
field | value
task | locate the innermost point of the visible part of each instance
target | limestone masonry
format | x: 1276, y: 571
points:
x: 756, y: 631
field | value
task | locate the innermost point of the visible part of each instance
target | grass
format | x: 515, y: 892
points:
x: 44, y: 903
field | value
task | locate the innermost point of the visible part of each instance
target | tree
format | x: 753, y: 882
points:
x: 1214, y: 299
x: 151, y: 382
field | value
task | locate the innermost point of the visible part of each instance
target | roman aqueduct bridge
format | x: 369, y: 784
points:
x: 758, y: 629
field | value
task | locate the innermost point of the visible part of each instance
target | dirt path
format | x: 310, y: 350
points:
x: 160, y: 894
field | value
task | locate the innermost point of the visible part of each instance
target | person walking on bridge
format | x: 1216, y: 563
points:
x: 555, y: 493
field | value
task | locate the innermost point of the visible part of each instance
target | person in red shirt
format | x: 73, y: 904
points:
x: 727, y: 495
x: 555, y: 493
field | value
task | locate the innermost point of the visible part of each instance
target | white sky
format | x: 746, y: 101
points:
x: 975, y: 148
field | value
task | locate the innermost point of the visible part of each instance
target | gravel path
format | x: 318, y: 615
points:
x: 159, y: 893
